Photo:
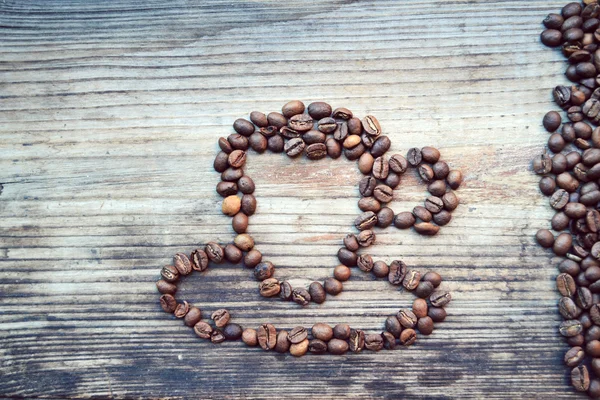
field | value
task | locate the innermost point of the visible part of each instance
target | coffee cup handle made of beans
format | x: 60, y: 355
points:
x: 317, y: 132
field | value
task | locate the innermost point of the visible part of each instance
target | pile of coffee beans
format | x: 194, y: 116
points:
x: 318, y: 131
x: 570, y: 172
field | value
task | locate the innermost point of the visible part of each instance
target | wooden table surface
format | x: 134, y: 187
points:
x: 109, y: 116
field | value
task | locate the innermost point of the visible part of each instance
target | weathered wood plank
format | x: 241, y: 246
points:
x: 110, y: 115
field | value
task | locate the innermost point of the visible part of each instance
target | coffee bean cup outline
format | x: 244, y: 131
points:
x: 318, y: 132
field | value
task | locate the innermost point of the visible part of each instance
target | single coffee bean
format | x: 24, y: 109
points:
x: 383, y: 193
x: 568, y: 309
x: 553, y: 21
x: 583, y: 298
x: 366, y: 238
x: 231, y: 205
x: 425, y: 325
x: 570, y: 328
x: 237, y: 158
x: 319, y: 110
x: 407, y: 318
x: 592, y: 348
x: 334, y: 149
x: 246, y: 185
x: 269, y: 287
x: 580, y: 378
x: 594, y: 389
x: 264, y: 270
x: 232, y: 331
x: 354, y: 126
x: 392, y: 180
x: 442, y: 218
x: 385, y: 217
x: 243, y: 127
x: 380, y: 146
x: 301, y: 296
x: 367, y: 185
x: 392, y: 325
x: 424, y: 289
x: 559, y: 199
x: 420, y: 307
x: 203, y: 330
x: 168, y: 303
x: 434, y: 204
x: 317, y: 346
x: 398, y: 270
x: 215, y: 252
x: 294, y: 147
x: 365, y: 262
x: 220, y: 317
x: 559, y: 165
x: 333, y: 286
x: 221, y: 162
x: 316, y: 151
x: 373, y: 342
x: 282, y: 343
x: 347, y: 257
x: 341, y: 132
x: 426, y: 228
x: 562, y: 244
x: 437, y: 314
x: 292, y: 108
x: 595, y: 313
x: 551, y: 37
x: 574, y: 356
x: 224, y: 145
x: 217, y: 336
x: 552, y: 121
x: 237, y: 142
x: 441, y: 170
x: 422, y: 213
x: 351, y: 242
x: 455, y: 178
x: 267, y: 336
x: 381, y: 167
x: 342, y: 273
x: 276, y: 119
x: 165, y: 287
x: 248, y: 204
x: 371, y: 125
x: 232, y: 174
x: 341, y: 331
x: 182, y: 263
x: 433, y: 277
x: 389, y: 341
x: 239, y: 222
x: 301, y: 123
x: 414, y: 156
x: 450, y: 201
x: 365, y: 163
x: 199, y: 260
x: 404, y: 220
x: 259, y: 119
x: 313, y: 136
x: 317, y: 292
x: 545, y: 238
x: 440, y: 298
x: 411, y: 280
x: 342, y: 113
x: 227, y: 188
x: 233, y: 254
x: 299, y: 349
x: 250, y: 337
x: 327, y: 125
x: 366, y: 220
x: 322, y: 331
x: 437, y: 188
x: 356, y: 341
x: 337, y: 346
x: 258, y: 142
x: 408, y: 337
x: 297, y: 334
x: 380, y: 269
x: 169, y: 273
x: 398, y: 164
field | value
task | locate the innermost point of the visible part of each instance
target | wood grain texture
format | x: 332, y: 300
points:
x: 109, y: 117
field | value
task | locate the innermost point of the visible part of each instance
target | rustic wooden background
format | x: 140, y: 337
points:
x: 109, y: 115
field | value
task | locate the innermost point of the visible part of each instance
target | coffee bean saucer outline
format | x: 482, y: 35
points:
x: 297, y: 132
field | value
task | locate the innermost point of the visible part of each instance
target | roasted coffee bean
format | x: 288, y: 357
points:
x: 440, y: 298
x: 333, y: 286
x: 568, y: 309
x: 356, y: 341
x: 551, y: 37
x: 297, y: 334
x: 398, y: 164
x: 220, y: 317
x: 294, y: 147
x: 404, y: 220
x: 424, y: 289
x: 584, y: 298
x: 365, y: 262
x: 334, y: 149
x: 367, y: 185
x: 243, y: 127
x: 232, y: 174
x: 545, y: 238
x: 389, y: 341
x: 168, y: 303
x: 233, y: 254
x: 381, y: 167
x: 231, y: 205
x: 369, y: 204
x: 559, y: 199
x: 437, y: 314
x: 559, y: 165
x: 392, y: 325
x: 215, y: 252
x: 337, y: 346
x: 239, y: 222
x: 420, y: 307
x: 248, y: 204
x: 169, y: 273
x: 425, y: 326
x: 313, y: 136
x: 221, y: 162
x: 570, y: 328
x: 432, y: 277
x: 224, y: 145
x: 342, y: 113
x: 317, y: 292
x: 227, y: 188
x: 250, y: 337
x: 355, y: 152
x: 384, y: 193
x: 259, y: 119
x: 238, y: 142
x: 347, y: 257
x: 351, y: 242
x: 574, y: 356
x: 426, y: 173
x: 319, y: 110
x: 301, y: 123
x: 455, y: 178
x: 407, y: 318
x: 366, y: 238
x: 317, y: 346
x: 354, y: 126
x: 341, y: 132
x: 276, y: 119
x: 385, y: 217
x: 322, y: 332
x: 264, y: 270
x: 414, y: 156
x: 380, y: 269
x: 426, y: 228
x: 381, y: 146
x: 165, y: 287
x: 438, y: 188
x: 552, y: 121
x: 553, y: 21
x: 398, y: 270
x: 217, y: 336
x: 232, y: 331
x: 299, y: 349
x: 267, y: 336
x: 269, y: 287
x: 580, y: 378
x: 371, y: 125
x: 595, y: 313
x: 408, y: 337
x: 286, y: 290
x: 442, y: 218
x: 366, y: 220
x: 292, y: 108
x: 341, y: 331
x: 411, y: 280
x: 562, y: 244
x: 441, y: 170
x: 434, y: 204
x: 258, y: 142
x: 301, y: 296
x: 237, y: 158
x: 365, y: 163
x: 422, y: 213
x: 560, y: 221
x: 374, y: 342
x: 593, y: 348
x: 327, y: 125
x: 392, y: 180
x: 342, y: 273
x: 246, y: 185
x: 556, y: 143
x: 203, y: 330
x: 282, y: 343
x: 316, y: 151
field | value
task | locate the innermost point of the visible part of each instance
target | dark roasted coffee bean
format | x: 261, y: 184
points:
x: 355, y: 152
x: 398, y: 164
x: 380, y: 146
x: 337, y: 346
x: 440, y: 298
x: 347, y: 257
x: 341, y: 331
x: 224, y: 145
x: 292, y: 108
x: 356, y: 341
x: 556, y: 143
x: 367, y: 185
x: 438, y: 188
x: 351, y: 242
x: 432, y: 277
x: 425, y: 325
x: 365, y: 262
x: 547, y: 185
x: 404, y: 220
x: 411, y: 280
x: 424, y: 289
x: 389, y: 341
x: 562, y: 244
x: 317, y: 346
x: 545, y: 238
x: 366, y: 220
x: 434, y: 204
x: 165, y: 287
x: 221, y: 161
x: 239, y: 222
x: 316, y: 151
x: 238, y: 142
x: 366, y: 238
x: 354, y: 126
x: 258, y: 142
x: 561, y: 94
x: 553, y: 21
x: 267, y: 336
x: 237, y: 158
x: 437, y: 314
x: 233, y: 254
x: 334, y: 149
x: 282, y: 343
x: 573, y: 34
x: 551, y: 37
x: 252, y: 258
x: 552, y: 121
x: 317, y: 292
x: 259, y: 119
x: 286, y: 290
x: 168, y: 303
x: 301, y: 296
x: 385, y: 217
x: 227, y: 188
x: 441, y: 170
x: 203, y: 330
x: 276, y: 119
x: 559, y: 199
x: 422, y: 213
x: 246, y: 185
x: 380, y: 167
x: 584, y: 298
x: 380, y: 269
x: 392, y: 180
x: 313, y: 136
x: 342, y: 113
x: 248, y: 204
x: 301, y: 123
x: 319, y: 110
x: 392, y: 325
x: 342, y: 273
x: 442, y: 218
x: 182, y: 263
x: 322, y: 332
x: 559, y: 165
x: 341, y: 132
x: 333, y: 286
x: 192, y: 317
x: 580, y: 378
x: 426, y: 228
x: 568, y: 309
x: 407, y: 318
x: 297, y: 334
x: 243, y: 127
x: 232, y: 331
x: 294, y: 147
x: 570, y: 328
x: 398, y: 270
x: 169, y: 273
x: 574, y: 356
x: 384, y: 193
x: 232, y: 174
x: 414, y: 156
x: 264, y: 270
x: 327, y: 125
x: 374, y: 342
